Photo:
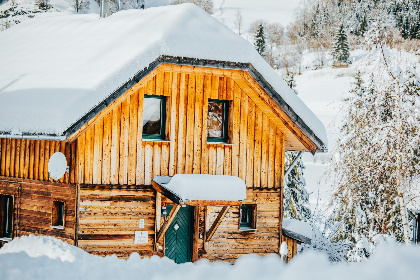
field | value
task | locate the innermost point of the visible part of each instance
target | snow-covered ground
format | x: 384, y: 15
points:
x: 46, y: 258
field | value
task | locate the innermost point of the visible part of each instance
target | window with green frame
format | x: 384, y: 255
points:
x: 248, y: 216
x: 154, y: 117
x: 217, y: 120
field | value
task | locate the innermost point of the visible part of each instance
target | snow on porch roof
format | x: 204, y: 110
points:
x: 194, y: 189
x: 298, y: 230
x: 58, y: 71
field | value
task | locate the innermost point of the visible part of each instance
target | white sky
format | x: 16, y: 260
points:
x: 281, y: 11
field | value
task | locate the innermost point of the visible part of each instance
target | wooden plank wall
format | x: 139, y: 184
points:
x: 112, y: 151
x: 229, y: 243
x: 109, y: 216
x: 33, y: 204
x: 28, y: 159
x: 291, y: 247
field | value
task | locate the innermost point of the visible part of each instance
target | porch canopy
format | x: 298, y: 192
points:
x: 297, y: 230
x: 201, y: 189
x: 197, y: 190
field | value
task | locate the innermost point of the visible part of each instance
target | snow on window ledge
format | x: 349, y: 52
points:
x: 155, y: 140
x: 247, y: 229
x: 57, y: 227
x: 5, y: 239
x: 219, y: 143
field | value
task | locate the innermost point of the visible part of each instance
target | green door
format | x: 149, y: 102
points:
x: 178, y: 237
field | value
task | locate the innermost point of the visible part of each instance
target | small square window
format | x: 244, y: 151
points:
x: 154, y: 109
x: 217, y: 120
x: 6, y: 216
x: 58, y: 214
x: 248, y: 216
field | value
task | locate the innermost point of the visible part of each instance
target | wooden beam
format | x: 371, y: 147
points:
x: 173, y: 197
x: 212, y: 203
x: 216, y: 223
x: 167, y: 223
x: 187, y: 69
x: 158, y: 209
x: 196, y: 229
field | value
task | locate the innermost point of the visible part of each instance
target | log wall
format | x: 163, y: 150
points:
x: 33, y: 203
x: 112, y: 150
x: 291, y: 247
x: 230, y: 243
x: 109, y: 216
x: 28, y: 159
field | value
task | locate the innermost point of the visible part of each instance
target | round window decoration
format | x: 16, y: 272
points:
x: 57, y: 166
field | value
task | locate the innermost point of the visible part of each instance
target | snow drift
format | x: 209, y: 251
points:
x: 18, y: 261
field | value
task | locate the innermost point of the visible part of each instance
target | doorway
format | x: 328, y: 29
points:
x: 178, y: 237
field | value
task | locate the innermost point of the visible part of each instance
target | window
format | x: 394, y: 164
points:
x: 6, y: 216
x: 58, y: 214
x: 154, y: 109
x: 217, y: 121
x: 248, y: 217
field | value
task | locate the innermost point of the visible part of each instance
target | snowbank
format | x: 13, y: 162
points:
x: 389, y: 263
x: 38, y: 246
x: 55, y: 69
x: 207, y: 187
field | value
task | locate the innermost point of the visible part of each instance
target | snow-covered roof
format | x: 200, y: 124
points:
x: 202, y: 187
x: 298, y: 230
x: 56, y: 70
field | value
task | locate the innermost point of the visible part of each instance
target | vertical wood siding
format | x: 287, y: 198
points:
x: 28, y: 159
x: 112, y: 150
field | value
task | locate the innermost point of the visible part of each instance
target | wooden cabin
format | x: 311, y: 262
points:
x: 126, y: 129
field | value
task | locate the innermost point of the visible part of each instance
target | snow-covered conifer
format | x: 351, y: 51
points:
x: 341, y: 50
x: 259, y: 39
x: 296, y: 198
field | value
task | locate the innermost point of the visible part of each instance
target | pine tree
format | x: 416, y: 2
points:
x: 341, y: 50
x: 259, y: 39
x: 362, y: 26
x: 290, y: 79
x: 296, y: 198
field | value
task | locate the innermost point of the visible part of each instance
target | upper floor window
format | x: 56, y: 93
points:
x: 154, y: 109
x: 217, y: 120
x: 6, y: 216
